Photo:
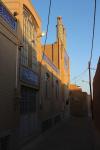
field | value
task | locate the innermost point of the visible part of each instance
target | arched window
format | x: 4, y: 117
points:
x: 28, y: 53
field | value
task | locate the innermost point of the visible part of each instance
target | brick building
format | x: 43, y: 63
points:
x: 55, y: 77
x: 8, y: 77
x: 38, y: 79
x: 96, y: 96
x: 28, y: 28
x: 79, y: 105
x: 20, y: 78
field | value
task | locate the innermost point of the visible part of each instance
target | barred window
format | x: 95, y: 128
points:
x: 29, y: 33
x: 28, y: 100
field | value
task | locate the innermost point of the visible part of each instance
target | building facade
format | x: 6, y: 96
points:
x: 28, y: 29
x: 8, y: 77
x: 79, y: 101
x: 41, y: 76
x: 55, y: 77
x: 96, y: 97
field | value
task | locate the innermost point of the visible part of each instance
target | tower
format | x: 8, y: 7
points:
x: 61, y: 32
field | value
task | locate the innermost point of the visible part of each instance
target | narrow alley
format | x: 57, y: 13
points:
x: 49, y: 75
x: 73, y: 134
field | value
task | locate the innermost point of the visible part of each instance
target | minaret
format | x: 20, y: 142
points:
x: 61, y: 32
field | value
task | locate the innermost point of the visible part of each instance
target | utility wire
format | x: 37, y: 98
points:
x: 80, y: 74
x: 89, y: 65
x: 93, y: 33
x: 48, y: 22
x: 93, y: 69
x: 47, y: 29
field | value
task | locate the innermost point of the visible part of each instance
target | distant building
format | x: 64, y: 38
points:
x: 78, y: 101
x: 96, y: 96
x: 74, y: 87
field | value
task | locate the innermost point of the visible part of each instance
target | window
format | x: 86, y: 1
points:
x: 30, y: 56
x: 28, y: 100
x: 29, y: 33
x: 47, y: 82
x: 34, y: 59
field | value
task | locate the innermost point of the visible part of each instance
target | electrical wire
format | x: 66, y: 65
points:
x: 80, y: 74
x: 91, y: 55
x: 94, y: 20
x: 47, y: 29
x: 92, y: 46
x: 48, y: 22
x: 93, y: 69
x: 93, y: 33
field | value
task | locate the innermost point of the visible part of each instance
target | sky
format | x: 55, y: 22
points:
x: 77, y: 16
